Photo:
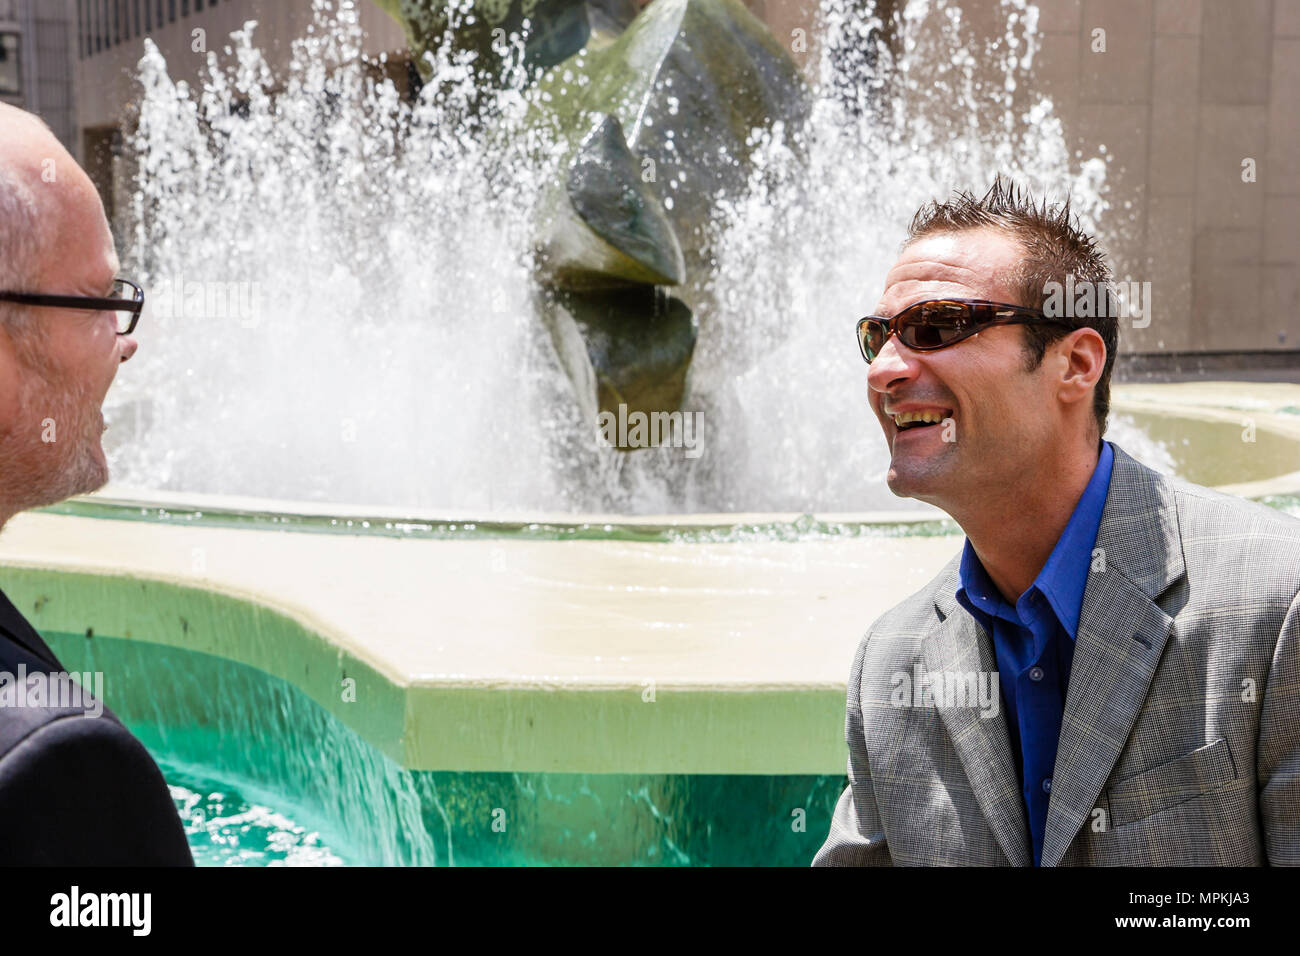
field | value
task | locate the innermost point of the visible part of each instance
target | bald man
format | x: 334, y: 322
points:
x: 76, y: 788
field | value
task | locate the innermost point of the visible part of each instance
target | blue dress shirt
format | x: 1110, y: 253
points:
x: 1034, y: 642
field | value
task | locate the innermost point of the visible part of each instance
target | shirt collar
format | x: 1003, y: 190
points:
x: 1065, y: 575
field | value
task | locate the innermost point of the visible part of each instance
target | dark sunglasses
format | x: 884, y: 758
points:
x: 126, y: 302
x: 938, y: 323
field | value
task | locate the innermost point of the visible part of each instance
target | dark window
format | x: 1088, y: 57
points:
x: 185, y: 8
x: 171, y: 11
x: 148, y: 16
x: 11, y: 76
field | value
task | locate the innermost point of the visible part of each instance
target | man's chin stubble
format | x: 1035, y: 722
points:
x: 87, y: 472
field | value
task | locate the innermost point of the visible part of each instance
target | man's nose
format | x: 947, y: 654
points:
x: 127, y: 346
x: 895, y: 363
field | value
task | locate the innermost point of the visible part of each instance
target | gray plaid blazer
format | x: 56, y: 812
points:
x: 1180, y: 743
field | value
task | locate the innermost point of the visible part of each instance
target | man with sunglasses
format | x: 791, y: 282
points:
x: 76, y: 788
x: 1143, y: 633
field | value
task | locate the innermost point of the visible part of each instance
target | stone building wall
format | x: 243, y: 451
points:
x: 1185, y: 93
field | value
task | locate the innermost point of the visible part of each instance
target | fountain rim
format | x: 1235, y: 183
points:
x: 199, y: 510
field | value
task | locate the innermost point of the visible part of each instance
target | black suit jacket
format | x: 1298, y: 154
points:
x: 76, y: 790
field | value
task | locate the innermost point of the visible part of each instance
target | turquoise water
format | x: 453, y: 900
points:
x: 227, y: 828
x: 263, y: 776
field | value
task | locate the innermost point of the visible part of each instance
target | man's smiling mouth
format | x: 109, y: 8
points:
x: 921, y: 419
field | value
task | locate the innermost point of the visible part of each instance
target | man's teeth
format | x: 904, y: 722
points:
x: 906, y: 418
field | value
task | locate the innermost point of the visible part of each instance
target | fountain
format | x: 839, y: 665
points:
x: 369, y: 555
x: 424, y: 320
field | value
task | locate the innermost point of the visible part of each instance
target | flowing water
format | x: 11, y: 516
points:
x: 262, y: 775
x: 225, y: 828
x: 377, y: 343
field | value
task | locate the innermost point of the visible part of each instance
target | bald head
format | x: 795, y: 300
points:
x: 27, y: 147
x: 45, y: 201
x: 20, y: 209
x: 14, y: 121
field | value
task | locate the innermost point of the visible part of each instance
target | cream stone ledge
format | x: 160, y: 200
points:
x: 500, y: 653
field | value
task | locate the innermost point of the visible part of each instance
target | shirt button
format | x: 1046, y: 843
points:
x: 1035, y: 673
x: 1047, y: 785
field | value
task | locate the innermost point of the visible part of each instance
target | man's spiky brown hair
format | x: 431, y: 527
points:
x: 1055, y: 246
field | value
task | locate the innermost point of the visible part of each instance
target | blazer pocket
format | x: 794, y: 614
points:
x: 1169, y: 784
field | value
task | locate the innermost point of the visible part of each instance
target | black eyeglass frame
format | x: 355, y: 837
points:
x: 985, y: 315
x: 134, y: 305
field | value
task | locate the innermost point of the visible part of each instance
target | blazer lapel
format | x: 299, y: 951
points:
x: 1121, y: 635
x: 960, y: 644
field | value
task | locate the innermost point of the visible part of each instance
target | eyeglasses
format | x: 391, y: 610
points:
x: 126, y: 302
x: 939, y: 323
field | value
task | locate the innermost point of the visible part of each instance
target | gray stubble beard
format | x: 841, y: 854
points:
x: 35, y: 473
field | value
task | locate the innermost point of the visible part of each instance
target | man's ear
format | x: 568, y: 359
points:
x: 1082, y: 359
